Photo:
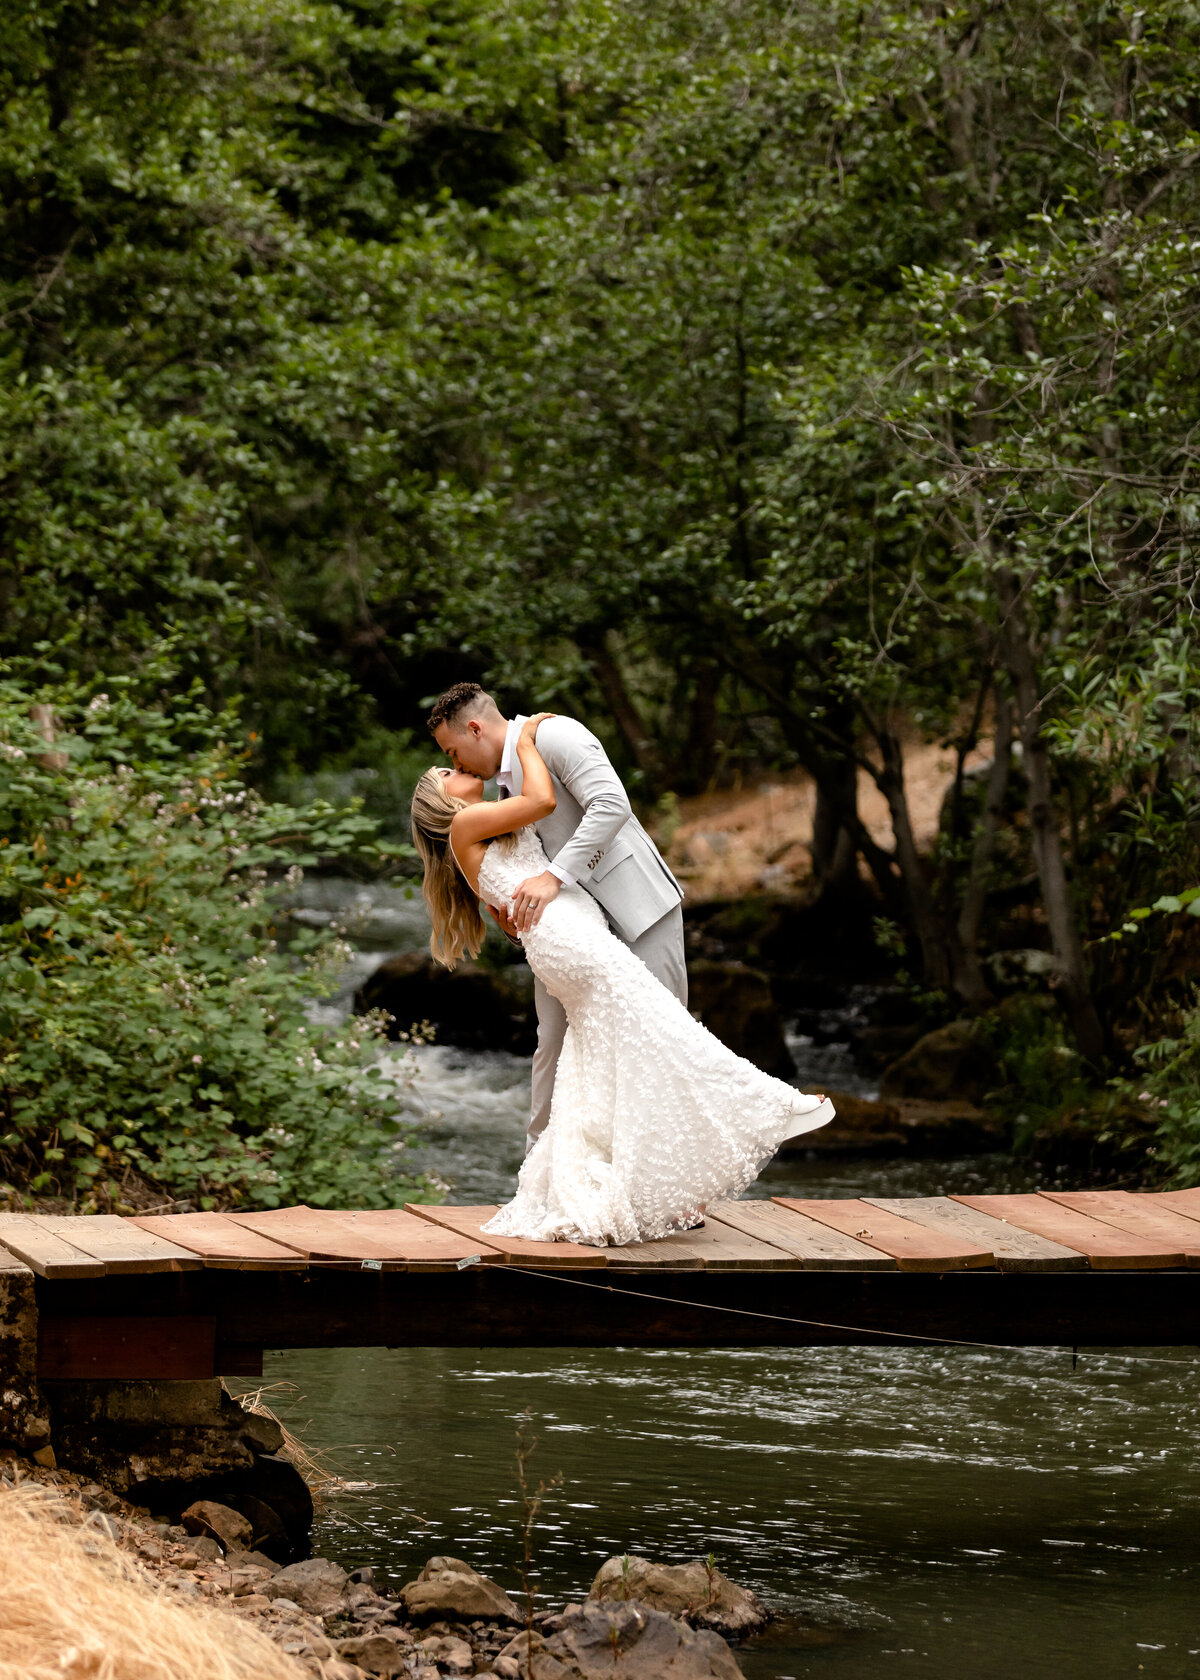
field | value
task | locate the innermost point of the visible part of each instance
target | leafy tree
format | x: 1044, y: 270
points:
x: 774, y: 384
x: 846, y: 335
x: 153, y: 1037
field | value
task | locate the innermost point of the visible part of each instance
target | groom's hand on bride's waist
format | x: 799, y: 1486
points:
x: 505, y: 923
x: 532, y: 897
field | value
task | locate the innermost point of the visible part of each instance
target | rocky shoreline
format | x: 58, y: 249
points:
x: 640, y: 1620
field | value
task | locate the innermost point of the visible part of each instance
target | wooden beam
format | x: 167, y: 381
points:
x: 491, y: 1306
x: 487, y: 1306
x: 165, y: 1349
x: 237, y: 1359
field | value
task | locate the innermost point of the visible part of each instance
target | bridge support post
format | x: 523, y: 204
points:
x: 164, y: 1443
x: 24, y: 1418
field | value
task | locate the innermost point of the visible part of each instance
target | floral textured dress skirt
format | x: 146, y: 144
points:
x: 652, y: 1117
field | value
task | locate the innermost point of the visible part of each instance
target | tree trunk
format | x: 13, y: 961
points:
x: 700, y: 749
x: 935, y: 949
x: 1073, y: 979
x: 621, y: 705
x: 834, y: 853
x: 976, y: 992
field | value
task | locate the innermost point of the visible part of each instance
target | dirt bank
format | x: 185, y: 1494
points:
x: 758, y: 838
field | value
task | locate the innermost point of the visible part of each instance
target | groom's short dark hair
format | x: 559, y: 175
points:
x: 463, y: 697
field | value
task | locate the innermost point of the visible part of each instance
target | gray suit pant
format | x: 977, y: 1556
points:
x: 661, y: 949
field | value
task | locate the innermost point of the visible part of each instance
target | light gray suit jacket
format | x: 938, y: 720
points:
x: 593, y: 834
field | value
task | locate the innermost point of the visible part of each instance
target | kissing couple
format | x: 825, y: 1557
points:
x: 641, y: 1117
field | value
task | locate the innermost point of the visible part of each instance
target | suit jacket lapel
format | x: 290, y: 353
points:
x: 518, y: 774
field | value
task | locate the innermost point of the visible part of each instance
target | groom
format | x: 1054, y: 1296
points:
x: 593, y: 840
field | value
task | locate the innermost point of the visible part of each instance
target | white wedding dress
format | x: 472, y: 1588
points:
x: 653, y: 1118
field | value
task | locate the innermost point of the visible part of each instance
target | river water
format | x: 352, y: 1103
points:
x: 950, y: 1514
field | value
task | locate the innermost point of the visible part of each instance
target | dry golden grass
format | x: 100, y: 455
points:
x: 74, y: 1606
x: 313, y: 1463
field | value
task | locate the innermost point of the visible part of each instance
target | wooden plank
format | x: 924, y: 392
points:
x: 221, y: 1242
x: 1107, y: 1249
x: 814, y: 1247
x: 10, y: 1264
x: 325, y: 1236
x: 50, y: 1255
x: 1185, y: 1202
x: 913, y: 1247
x: 423, y: 1246
x: 716, y: 1246
x: 516, y: 1251
x: 1140, y: 1215
x: 1015, y: 1249
x: 676, y: 1253
x: 179, y: 1348
x: 121, y: 1245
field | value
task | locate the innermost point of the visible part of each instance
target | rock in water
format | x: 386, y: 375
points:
x: 737, y: 1005
x: 901, y: 1126
x: 448, y: 1587
x: 952, y: 1061
x: 470, y: 1006
x: 219, y: 1522
x: 597, y: 1641
x: 702, y: 1596
x: 315, y: 1585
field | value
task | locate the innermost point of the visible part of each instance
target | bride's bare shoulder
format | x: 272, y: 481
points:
x: 476, y: 824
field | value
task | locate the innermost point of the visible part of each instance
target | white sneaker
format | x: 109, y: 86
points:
x: 819, y: 1113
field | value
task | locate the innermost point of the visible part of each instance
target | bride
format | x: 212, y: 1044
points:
x: 652, y: 1117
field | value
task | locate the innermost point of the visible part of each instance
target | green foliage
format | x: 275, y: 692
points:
x: 1170, y: 1083
x: 150, y: 1025
x: 1039, y: 1072
x: 1169, y: 904
x: 379, y: 770
x: 767, y: 383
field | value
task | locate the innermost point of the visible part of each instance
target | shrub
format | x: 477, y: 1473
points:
x: 150, y: 1028
x: 1171, y: 1085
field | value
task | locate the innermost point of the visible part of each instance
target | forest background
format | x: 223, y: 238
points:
x: 773, y: 384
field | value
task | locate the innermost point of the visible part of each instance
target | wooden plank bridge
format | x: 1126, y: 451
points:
x: 201, y: 1294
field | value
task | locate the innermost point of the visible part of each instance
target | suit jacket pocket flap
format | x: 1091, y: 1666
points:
x: 616, y: 852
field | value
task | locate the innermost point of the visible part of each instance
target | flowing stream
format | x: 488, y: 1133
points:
x: 950, y: 1514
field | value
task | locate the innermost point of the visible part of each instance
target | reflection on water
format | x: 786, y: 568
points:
x: 956, y: 1515
x: 963, y: 1515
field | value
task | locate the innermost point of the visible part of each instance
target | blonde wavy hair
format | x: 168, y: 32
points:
x: 454, y: 912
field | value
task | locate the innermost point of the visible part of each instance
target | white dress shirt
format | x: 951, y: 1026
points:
x: 504, y: 781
